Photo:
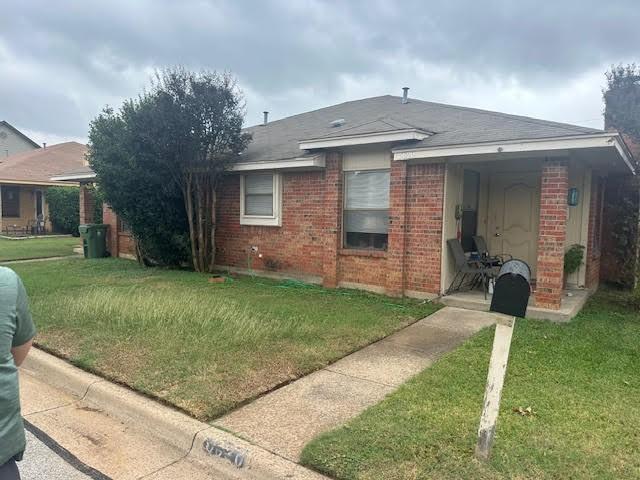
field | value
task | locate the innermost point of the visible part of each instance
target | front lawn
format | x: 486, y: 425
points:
x: 581, y: 380
x: 204, y: 347
x: 37, y: 248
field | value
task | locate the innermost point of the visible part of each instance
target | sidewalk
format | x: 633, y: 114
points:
x: 124, y: 435
x: 285, y: 420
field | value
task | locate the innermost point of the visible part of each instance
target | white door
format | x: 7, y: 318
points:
x: 514, y: 215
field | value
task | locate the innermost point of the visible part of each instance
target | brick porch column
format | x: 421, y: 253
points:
x: 552, y: 234
x: 397, y: 228
x: 87, y: 204
x: 332, y: 219
x: 109, y: 218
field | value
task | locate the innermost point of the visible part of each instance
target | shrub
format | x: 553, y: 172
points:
x: 573, y: 258
x: 159, y: 160
x: 64, y: 209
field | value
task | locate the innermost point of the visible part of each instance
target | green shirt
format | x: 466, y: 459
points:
x: 16, y: 328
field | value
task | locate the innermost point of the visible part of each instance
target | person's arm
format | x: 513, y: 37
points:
x: 20, y: 353
x: 25, y: 329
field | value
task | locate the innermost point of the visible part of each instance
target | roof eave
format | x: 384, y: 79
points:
x: 300, y: 163
x: 364, y: 139
x: 598, y: 140
x: 51, y: 183
x: 77, y: 177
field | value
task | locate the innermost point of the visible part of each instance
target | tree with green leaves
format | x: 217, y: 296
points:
x: 622, y: 100
x: 160, y: 159
x: 622, y: 196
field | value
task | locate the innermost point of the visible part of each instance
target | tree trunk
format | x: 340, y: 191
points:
x: 202, y: 252
x: 212, y: 233
x: 187, y: 192
x: 199, y: 197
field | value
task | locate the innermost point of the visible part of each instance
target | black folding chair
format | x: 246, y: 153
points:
x: 465, y: 267
x: 486, y: 257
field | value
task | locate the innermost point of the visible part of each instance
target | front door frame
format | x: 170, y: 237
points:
x: 496, y: 203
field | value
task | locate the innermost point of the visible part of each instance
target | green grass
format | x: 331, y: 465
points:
x: 37, y: 248
x: 204, y: 347
x: 581, y: 379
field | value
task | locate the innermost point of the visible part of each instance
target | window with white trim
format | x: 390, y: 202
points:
x: 260, y: 199
x: 366, y: 209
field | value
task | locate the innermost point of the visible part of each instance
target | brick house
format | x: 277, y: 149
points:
x: 120, y: 243
x: 365, y: 194
x: 25, y: 177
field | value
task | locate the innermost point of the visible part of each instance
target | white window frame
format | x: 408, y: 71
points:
x: 274, y: 220
x: 344, y: 209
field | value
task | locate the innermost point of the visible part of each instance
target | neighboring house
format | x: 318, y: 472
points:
x: 119, y: 240
x: 24, y: 179
x: 13, y: 140
x: 366, y: 193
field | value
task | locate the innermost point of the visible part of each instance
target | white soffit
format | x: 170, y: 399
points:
x: 364, y: 139
x: 73, y: 177
x: 518, y: 146
x: 317, y: 161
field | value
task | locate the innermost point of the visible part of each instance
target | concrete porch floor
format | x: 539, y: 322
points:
x: 570, y: 306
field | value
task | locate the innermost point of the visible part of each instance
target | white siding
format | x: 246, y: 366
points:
x: 11, y: 142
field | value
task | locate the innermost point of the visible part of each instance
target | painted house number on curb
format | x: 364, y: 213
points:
x: 236, y: 457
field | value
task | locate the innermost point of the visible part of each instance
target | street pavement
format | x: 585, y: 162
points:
x: 45, y: 459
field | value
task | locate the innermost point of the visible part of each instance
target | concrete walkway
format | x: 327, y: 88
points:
x: 285, y: 420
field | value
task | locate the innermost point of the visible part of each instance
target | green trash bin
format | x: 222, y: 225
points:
x: 94, y: 240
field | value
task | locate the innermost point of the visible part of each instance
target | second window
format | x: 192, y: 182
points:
x: 366, y: 209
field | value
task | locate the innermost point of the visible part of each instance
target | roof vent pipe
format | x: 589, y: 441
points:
x: 405, y: 94
x: 44, y: 145
x: 266, y: 117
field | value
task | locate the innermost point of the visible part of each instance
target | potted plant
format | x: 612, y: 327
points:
x: 572, y: 260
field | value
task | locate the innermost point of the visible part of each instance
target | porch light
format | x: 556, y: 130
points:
x: 573, y: 197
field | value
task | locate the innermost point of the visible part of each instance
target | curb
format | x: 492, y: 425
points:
x: 213, y: 449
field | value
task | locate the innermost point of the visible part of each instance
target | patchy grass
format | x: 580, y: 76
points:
x: 580, y: 379
x: 204, y: 347
x: 37, y: 248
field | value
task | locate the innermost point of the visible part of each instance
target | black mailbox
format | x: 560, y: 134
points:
x: 512, y: 289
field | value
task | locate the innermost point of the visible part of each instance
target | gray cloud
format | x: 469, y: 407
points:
x: 62, y: 62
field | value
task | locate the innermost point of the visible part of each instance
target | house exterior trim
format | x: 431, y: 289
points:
x: 74, y: 177
x: 274, y: 220
x: 35, y: 183
x: 515, y: 146
x: 364, y: 139
x: 314, y: 162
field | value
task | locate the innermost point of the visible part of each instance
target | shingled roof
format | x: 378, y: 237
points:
x: 40, y: 165
x: 447, y: 125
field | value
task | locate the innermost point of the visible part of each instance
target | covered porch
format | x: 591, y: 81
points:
x: 531, y: 200
x: 23, y: 210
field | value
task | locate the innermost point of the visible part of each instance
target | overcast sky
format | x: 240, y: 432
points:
x: 62, y: 61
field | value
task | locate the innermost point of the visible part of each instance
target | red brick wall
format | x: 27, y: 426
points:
x: 366, y: 268
x: 87, y: 205
x: 118, y: 242
x: 397, y: 229
x: 594, y: 238
x: 295, y: 247
x: 310, y: 238
x: 109, y: 218
x: 425, y: 200
x: 552, y: 234
x: 331, y: 219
